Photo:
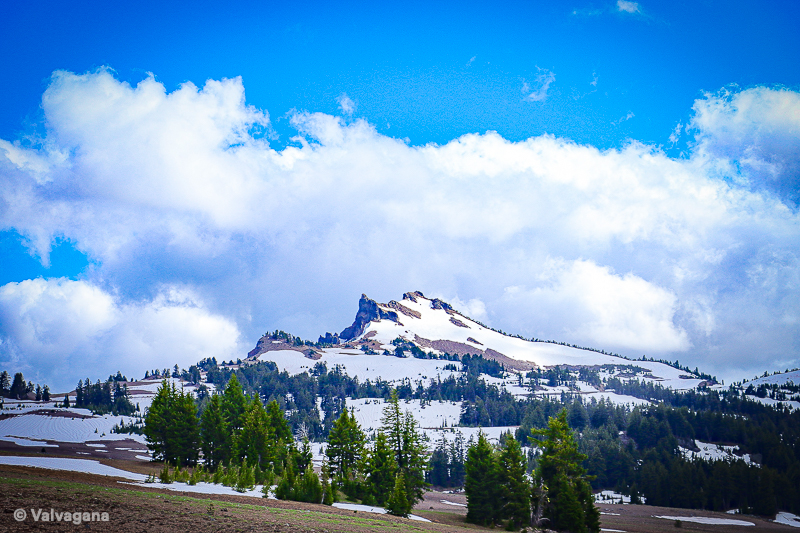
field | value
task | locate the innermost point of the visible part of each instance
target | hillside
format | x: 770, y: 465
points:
x: 415, y: 339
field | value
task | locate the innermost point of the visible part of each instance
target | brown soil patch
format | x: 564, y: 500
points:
x: 142, y: 509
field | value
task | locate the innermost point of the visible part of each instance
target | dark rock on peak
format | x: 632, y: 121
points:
x: 436, y: 303
x: 368, y: 311
x: 413, y: 296
x: 403, y: 309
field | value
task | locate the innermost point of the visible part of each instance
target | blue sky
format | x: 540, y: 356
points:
x: 646, y: 152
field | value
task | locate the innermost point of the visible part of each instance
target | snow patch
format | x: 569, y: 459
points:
x: 708, y: 520
x: 370, y: 509
x: 788, y: 519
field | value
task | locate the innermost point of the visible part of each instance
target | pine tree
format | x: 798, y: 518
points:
x: 255, y: 441
x: 480, y: 482
x: 234, y: 403
x: 398, y: 502
x: 414, y: 452
x: 46, y: 393
x: 214, y: 432
x: 514, y: 486
x: 79, y: 400
x: 438, y: 472
x: 5, y: 383
x: 283, y: 432
x: 405, y: 440
x: 38, y: 393
x: 171, y: 427
x: 186, y: 430
x: 382, y: 470
x: 309, y: 487
x: 345, y: 450
x: 570, y: 502
x: 18, y: 387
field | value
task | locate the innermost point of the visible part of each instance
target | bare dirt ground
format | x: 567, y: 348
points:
x: 145, y: 509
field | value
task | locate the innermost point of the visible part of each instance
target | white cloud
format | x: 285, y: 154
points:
x: 172, y: 190
x: 758, y: 130
x: 592, y: 304
x: 627, y: 6
x: 347, y: 106
x: 58, y: 331
x: 537, y: 91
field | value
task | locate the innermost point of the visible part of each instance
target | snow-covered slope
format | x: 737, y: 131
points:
x: 777, y: 379
x: 367, y: 350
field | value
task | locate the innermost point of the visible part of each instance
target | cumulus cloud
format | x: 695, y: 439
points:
x: 536, y: 91
x: 624, y: 249
x: 593, y: 304
x: 57, y: 330
x: 758, y: 131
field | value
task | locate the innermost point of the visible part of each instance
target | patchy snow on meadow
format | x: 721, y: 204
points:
x: 371, y: 509
x: 708, y: 520
x: 788, y: 519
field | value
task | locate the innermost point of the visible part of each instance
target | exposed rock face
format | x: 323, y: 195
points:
x: 261, y: 346
x: 457, y: 322
x: 403, y: 309
x: 436, y: 303
x: 413, y: 296
x: 368, y: 311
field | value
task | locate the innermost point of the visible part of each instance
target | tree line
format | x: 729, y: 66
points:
x: 19, y: 390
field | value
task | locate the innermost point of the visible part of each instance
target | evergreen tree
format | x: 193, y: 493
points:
x: 438, y: 472
x: 38, y: 393
x: 279, y: 423
x: 214, y: 433
x: 46, y: 393
x: 456, y: 461
x: 571, y: 505
x: 382, y: 470
x: 255, y: 441
x: 309, y: 487
x: 514, y: 486
x: 405, y: 440
x: 398, y: 503
x: 480, y: 482
x: 345, y: 450
x: 18, y: 387
x: 171, y: 427
x: 186, y: 430
x: 79, y: 400
x: 5, y: 384
x: 234, y: 403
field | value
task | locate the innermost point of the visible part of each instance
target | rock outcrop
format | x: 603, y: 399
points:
x: 368, y: 310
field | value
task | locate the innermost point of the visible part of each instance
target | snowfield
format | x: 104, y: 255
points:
x: 714, y: 452
x: 355, y: 363
x: 64, y: 428
x: 368, y: 412
x: 778, y: 379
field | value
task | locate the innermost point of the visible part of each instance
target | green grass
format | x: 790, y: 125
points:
x: 200, y: 506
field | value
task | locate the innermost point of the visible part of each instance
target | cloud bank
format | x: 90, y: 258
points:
x: 204, y: 236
